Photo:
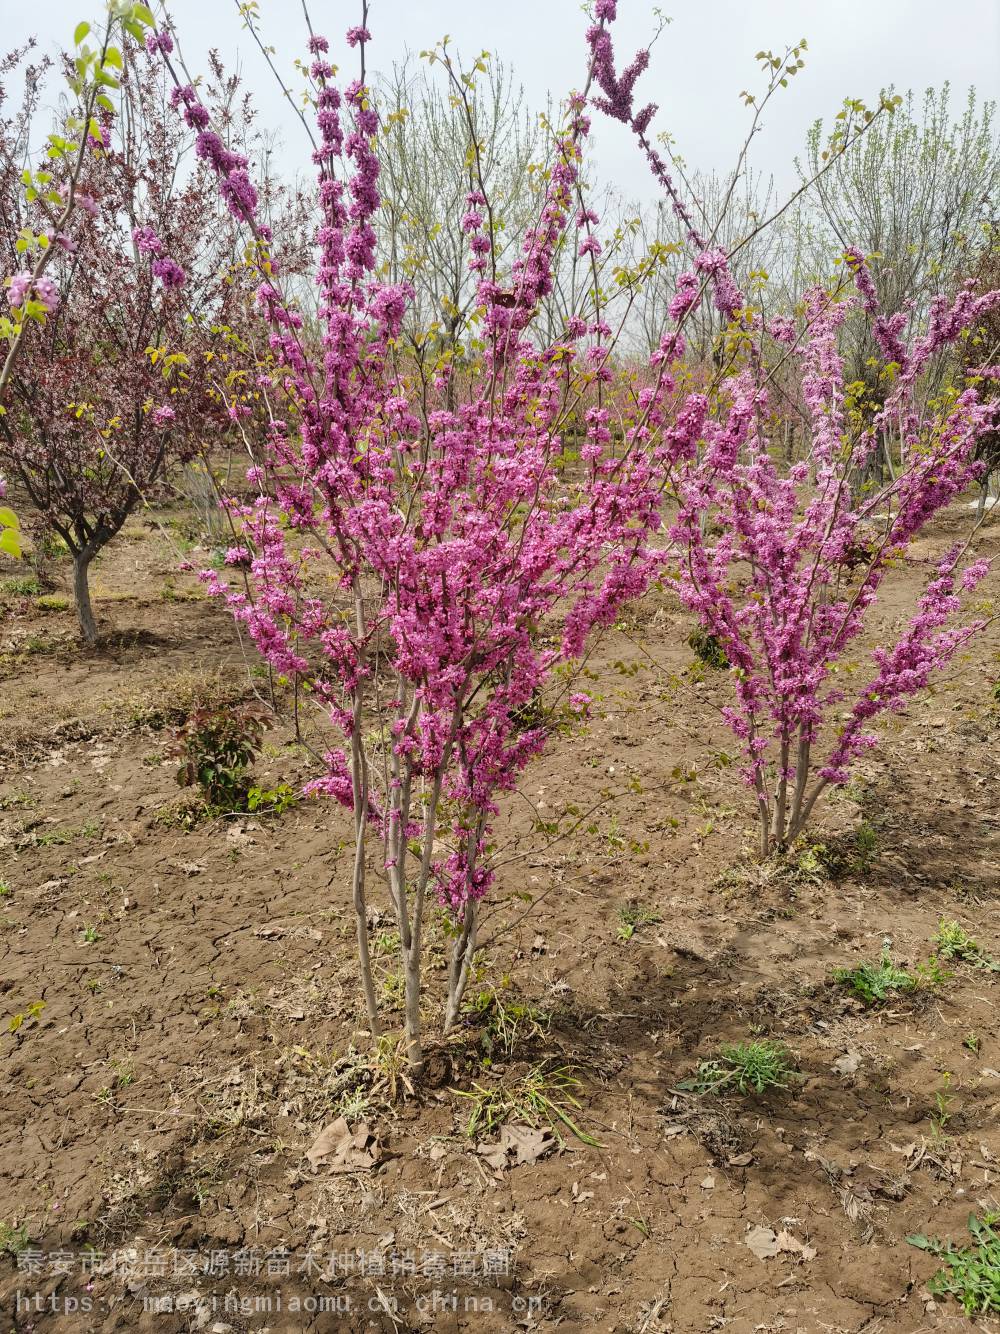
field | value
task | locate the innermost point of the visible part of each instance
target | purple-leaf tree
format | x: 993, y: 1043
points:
x: 116, y: 377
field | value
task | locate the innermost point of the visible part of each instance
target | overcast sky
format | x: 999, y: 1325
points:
x: 699, y: 66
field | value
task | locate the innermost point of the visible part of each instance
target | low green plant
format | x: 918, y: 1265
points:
x: 943, y: 1099
x: 5, y: 890
x: 26, y: 586
x: 52, y: 602
x: 32, y: 1014
x: 216, y: 747
x: 744, y: 1067
x: 874, y: 982
x: 543, y: 1096
x: 954, y: 942
x: 504, y: 1018
x: 708, y: 649
x: 90, y: 935
x: 631, y: 917
x: 13, y: 1240
x: 271, y: 801
x: 970, y: 1274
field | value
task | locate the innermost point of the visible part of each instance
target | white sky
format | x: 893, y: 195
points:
x: 699, y: 66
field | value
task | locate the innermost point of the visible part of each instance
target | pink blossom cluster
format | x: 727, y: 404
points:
x: 20, y: 286
x: 466, y: 565
x: 781, y: 567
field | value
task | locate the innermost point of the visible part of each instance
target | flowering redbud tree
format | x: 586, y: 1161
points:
x: 421, y: 562
x: 784, y: 567
x: 140, y: 298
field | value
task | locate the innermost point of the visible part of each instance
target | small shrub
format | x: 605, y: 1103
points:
x: 970, y: 1275
x: 216, y: 748
x: 746, y: 1067
x: 708, y: 649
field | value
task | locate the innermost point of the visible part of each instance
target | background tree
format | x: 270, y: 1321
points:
x: 144, y: 296
x: 914, y: 195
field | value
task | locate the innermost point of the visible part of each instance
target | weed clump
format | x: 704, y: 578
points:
x: 744, y: 1067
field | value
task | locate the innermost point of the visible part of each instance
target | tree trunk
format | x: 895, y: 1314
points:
x: 81, y: 596
x: 462, y: 955
x: 984, y: 496
x: 414, y: 1042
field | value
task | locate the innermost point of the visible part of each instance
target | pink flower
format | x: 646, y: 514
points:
x: 161, y: 42
x: 18, y: 288
x: 47, y: 293
x: 169, y: 272
x: 146, y: 241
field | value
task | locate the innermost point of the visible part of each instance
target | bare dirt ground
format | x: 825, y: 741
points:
x: 201, y: 1016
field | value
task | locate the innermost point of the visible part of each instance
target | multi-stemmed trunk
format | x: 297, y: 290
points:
x: 784, y: 813
x: 408, y: 884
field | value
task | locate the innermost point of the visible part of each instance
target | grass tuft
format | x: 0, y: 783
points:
x: 744, y: 1067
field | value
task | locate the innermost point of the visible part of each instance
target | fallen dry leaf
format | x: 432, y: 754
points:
x: 786, y: 1242
x: 525, y: 1144
x: 740, y: 1160
x: 847, y: 1064
x: 766, y: 1244
x: 763, y: 1242
x: 340, y: 1149
x: 190, y: 868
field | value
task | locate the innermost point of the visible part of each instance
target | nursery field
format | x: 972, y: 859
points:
x: 182, y: 1018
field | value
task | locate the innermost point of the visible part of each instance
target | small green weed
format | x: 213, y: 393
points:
x: 970, y: 1275
x: 505, y: 1019
x: 26, y: 587
x: 13, y: 1240
x: 32, y: 1013
x: 271, y: 801
x: 631, y: 917
x: 542, y: 1096
x: 943, y: 1099
x: 875, y: 983
x: 708, y: 649
x: 954, y: 942
x: 746, y: 1067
